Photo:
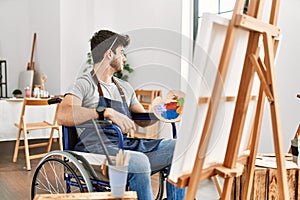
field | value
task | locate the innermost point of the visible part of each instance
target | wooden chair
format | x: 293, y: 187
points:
x: 27, y: 127
x: 146, y: 97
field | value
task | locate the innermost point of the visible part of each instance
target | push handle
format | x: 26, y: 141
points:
x: 54, y: 101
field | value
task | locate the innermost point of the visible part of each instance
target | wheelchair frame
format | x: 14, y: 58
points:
x: 69, y: 172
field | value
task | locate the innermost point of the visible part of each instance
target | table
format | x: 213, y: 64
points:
x: 265, y: 180
x: 10, y: 111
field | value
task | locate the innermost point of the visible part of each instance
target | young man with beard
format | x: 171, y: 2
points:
x: 100, y: 95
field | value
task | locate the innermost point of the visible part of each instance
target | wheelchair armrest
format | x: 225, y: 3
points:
x: 54, y: 100
x: 144, y: 116
x: 120, y: 134
x: 144, y: 119
x: 149, y: 118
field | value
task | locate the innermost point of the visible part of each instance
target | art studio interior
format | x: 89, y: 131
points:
x: 204, y: 92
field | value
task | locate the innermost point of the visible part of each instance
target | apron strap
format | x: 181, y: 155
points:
x: 95, y: 79
x: 120, y: 89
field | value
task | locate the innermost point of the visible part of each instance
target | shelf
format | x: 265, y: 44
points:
x: 3, y: 78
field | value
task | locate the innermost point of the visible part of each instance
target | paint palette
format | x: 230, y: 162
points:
x: 170, y: 108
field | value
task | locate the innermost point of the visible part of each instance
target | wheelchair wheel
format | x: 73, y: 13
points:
x: 161, y: 185
x: 60, y: 172
x: 159, y: 179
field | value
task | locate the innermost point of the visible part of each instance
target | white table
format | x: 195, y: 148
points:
x: 10, y: 111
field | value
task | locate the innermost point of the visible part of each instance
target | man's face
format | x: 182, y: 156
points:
x: 119, y: 59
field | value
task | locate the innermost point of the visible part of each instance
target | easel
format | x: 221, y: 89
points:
x: 233, y: 165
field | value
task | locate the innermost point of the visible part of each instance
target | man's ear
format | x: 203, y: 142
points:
x: 109, y: 54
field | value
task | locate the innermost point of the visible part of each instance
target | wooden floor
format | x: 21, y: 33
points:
x: 15, y: 180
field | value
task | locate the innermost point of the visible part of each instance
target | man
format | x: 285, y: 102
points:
x: 98, y: 95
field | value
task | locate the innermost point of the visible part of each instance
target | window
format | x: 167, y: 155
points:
x: 221, y: 7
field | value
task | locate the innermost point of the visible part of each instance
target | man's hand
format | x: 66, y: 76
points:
x: 125, y: 123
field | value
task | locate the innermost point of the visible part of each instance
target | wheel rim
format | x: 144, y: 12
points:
x: 55, y: 176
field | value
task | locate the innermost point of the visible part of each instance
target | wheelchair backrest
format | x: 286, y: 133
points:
x: 70, y: 137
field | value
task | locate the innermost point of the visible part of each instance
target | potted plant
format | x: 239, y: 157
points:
x: 17, y: 93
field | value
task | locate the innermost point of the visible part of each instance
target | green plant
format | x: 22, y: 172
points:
x: 122, y: 75
x: 17, y: 92
x: 89, y: 62
x: 126, y: 70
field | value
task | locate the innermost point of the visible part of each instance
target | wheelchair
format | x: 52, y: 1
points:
x: 70, y: 171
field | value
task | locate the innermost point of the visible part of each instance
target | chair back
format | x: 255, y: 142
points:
x: 70, y: 137
x: 36, y: 102
x: 146, y: 97
x: 30, y: 122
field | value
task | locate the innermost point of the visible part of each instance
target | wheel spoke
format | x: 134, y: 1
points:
x: 57, y: 177
x: 52, y: 178
x: 60, y: 172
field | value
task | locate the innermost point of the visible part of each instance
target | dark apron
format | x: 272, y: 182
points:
x: 89, y: 141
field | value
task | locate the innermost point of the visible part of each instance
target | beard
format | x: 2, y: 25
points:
x: 117, y: 65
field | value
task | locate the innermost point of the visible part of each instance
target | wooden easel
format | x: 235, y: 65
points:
x: 233, y: 165
x: 30, y: 65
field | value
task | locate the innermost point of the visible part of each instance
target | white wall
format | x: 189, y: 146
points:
x: 14, y: 38
x: 45, y: 22
x: 75, y: 29
x: 18, y: 21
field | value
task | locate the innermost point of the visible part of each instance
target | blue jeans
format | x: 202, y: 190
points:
x: 141, y: 165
